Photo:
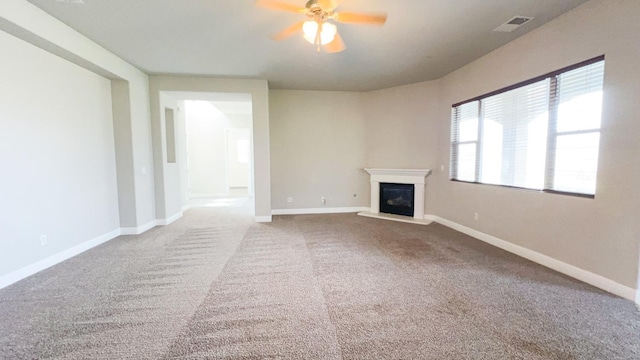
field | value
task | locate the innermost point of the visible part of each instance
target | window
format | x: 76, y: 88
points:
x: 541, y: 134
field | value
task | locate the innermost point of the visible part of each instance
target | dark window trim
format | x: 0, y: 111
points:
x: 548, y: 191
x: 533, y: 80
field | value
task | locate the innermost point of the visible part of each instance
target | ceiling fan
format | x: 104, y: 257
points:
x: 318, y: 28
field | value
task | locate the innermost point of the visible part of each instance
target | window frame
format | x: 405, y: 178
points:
x: 552, y: 132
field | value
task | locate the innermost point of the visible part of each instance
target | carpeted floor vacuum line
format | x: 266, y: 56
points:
x: 216, y: 285
x: 126, y: 299
x: 264, y: 305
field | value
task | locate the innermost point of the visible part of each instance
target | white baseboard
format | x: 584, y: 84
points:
x: 138, y: 230
x: 399, y: 218
x: 544, y: 260
x: 29, y: 270
x: 186, y: 207
x: 129, y: 231
x: 638, y: 297
x: 338, y: 210
x: 165, y: 222
x: 264, y: 218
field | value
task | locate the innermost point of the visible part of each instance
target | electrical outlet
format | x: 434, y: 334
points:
x: 441, y: 167
x: 475, y: 216
x: 289, y: 199
x: 43, y: 240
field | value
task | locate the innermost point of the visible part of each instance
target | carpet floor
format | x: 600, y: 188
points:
x: 216, y: 285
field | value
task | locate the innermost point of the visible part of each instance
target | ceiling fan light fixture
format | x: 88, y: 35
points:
x: 310, y: 29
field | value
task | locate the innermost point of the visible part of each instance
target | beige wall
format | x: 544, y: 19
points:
x: 599, y: 235
x: 317, y: 149
x: 142, y: 148
x: 121, y: 105
x: 402, y: 130
x: 79, y: 199
x: 57, y: 154
x: 29, y: 23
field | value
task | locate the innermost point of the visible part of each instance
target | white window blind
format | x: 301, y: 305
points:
x: 465, y: 138
x: 576, y: 137
x: 542, y: 134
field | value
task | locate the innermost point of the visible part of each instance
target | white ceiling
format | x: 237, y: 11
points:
x: 422, y: 39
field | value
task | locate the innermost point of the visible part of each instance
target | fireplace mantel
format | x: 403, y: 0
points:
x: 409, y: 176
x: 398, y: 176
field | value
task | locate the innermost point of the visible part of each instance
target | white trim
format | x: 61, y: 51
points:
x: 263, y: 219
x: 638, y: 289
x: 544, y: 260
x: 410, y: 173
x: 416, y: 177
x: 29, y: 270
x: 165, y: 222
x: 138, y: 230
x: 186, y: 207
x: 399, y: 218
x: 338, y: 210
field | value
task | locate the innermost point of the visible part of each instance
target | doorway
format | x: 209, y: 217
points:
x: 238, y: 150
x: 218, y: 151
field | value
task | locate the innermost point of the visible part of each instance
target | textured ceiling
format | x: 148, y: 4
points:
x: 422, y: 39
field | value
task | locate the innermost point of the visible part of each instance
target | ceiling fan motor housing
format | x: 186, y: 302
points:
x: 317, y: 12
x: 310, y: 3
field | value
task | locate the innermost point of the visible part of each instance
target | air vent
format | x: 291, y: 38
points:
x: 513, y: 23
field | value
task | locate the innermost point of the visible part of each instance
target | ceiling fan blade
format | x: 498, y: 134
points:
x: 336, y: 45
x: 277, y: 5
x: 355, y: 18
x: 291, y: 30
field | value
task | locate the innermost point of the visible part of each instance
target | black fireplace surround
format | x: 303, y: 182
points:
x: 396, y: 198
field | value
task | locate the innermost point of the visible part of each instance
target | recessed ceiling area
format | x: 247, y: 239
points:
x: 421, y: 40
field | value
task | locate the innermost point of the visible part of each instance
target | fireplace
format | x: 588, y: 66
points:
x: 396, y: 198
x: 407, y: 186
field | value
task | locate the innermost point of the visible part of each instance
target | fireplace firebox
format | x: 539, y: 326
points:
x: 397, y: 198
